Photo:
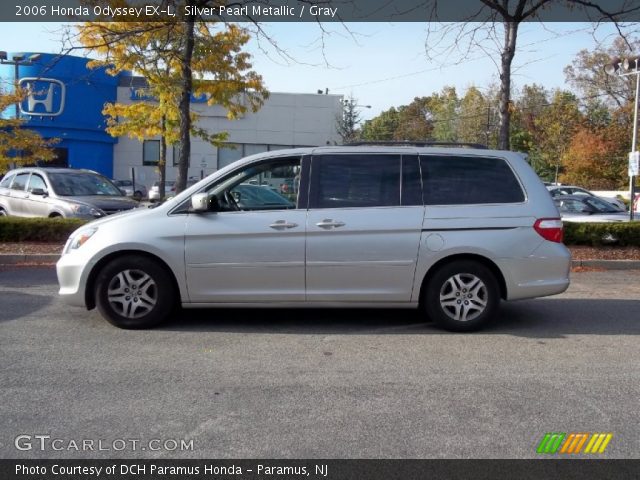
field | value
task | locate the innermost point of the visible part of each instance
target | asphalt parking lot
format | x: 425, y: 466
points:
x: 320, y: 383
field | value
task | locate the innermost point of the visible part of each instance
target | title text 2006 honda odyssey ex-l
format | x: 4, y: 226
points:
x: 448, y: 230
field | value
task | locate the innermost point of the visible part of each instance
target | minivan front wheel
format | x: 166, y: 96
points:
x: 462, y: 296
x: 134, y: 292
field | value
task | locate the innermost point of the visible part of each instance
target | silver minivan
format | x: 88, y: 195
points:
x: 451, y: 231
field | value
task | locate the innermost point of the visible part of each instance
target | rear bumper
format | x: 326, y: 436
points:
x: 545, y: 272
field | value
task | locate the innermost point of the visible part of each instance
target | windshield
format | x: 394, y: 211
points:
x: 600, y: 205
x: 76, y: 184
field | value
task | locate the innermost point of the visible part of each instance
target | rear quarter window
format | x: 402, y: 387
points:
x: 460, y: 180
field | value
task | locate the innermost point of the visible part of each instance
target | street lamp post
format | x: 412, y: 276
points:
x: 631, y: 67
x: 16, y: 61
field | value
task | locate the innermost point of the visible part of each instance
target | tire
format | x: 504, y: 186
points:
x: 137, y: 195
x: 3, y: 213
x: 148, y: 305
x: 445, y: 302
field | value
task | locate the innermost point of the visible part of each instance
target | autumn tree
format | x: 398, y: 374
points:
x: 20, y: 145
x: 155, y: 113
x: 415, y: 121
x: 474, y: 118
x: 202, y: 59
x: 493, y: 29
x: 554, y: 131
x: 593, y: 159
x: 528, y: 107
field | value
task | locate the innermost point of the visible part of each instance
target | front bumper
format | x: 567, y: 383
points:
x: 73, y: 272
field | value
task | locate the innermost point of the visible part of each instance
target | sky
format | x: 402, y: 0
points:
x: 380, y: 64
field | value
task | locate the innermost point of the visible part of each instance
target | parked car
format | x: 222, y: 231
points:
x: 572, y: 190
x: 585, y: 208
x: 60, y: 192
x: 450, y: 231
x: 138, y: 192
x: 169, y: 189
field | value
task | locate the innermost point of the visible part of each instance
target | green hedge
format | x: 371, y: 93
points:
x: 14, y: 229
x: 625, y: 234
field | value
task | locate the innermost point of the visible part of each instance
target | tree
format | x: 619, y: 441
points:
x: 528, y: 107
x: 593, y: 159
x: 20, y: 145
x: 347, y: 120
x: 554, y: 131
x: 474, y: 118
x: 415, y: 121
x: 383, y: 127
x: 444, y: 108
x: 587, y: 76
x: 202, y: 59
x: 494, y: 30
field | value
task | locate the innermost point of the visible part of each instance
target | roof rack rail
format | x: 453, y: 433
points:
x: 417, y: 144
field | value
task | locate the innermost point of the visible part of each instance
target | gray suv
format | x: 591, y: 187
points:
x: 451, y: 231
x: 60, y: 192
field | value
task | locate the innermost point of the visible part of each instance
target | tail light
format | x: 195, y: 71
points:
x: 550, y: 229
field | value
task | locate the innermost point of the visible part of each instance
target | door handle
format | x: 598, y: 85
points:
x: 328, y: 223
x: 282, y: 224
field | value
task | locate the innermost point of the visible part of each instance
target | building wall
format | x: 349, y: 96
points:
x: 80, y: 123
x: 286, y: 120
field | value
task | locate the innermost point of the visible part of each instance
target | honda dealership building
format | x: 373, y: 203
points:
x: 65, y: 100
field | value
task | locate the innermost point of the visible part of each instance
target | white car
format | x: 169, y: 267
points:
x: 169, y: 189
x: 557, y: 190
x: 449, y: 231
x: 139, y: 191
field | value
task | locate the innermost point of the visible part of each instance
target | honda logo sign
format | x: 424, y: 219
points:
x: 45, y: 97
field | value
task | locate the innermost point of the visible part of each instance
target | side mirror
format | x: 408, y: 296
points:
x: 202, y: 202
x: 38, y: 191
x: 123, y: 192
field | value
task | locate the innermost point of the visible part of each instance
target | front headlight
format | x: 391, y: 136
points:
x: 79, y: 239
x: 86, y: 210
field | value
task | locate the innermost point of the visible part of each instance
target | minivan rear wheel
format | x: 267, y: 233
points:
x: 134, y: 292
x: 462, y: 296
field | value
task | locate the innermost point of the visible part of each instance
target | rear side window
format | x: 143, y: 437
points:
x: 6, y: 181
x: 340, y: 181
x: 459, y: 180
x: 20, y: 182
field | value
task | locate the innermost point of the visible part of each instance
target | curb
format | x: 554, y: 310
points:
x: 608, y: 264
x: 16, y: 259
